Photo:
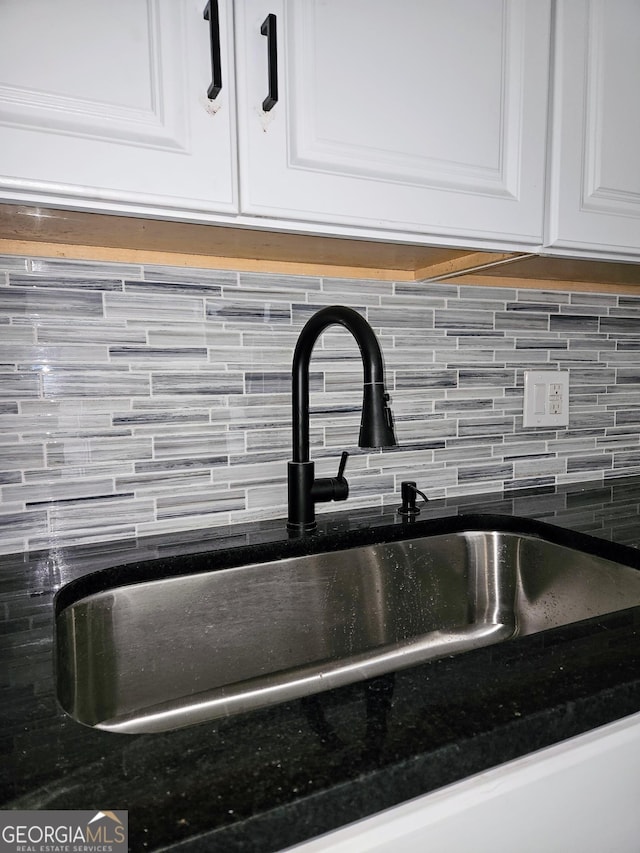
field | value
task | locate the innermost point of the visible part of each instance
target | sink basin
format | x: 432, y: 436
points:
x: 151, y: 654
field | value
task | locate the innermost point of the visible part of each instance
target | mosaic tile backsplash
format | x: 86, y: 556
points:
x: 141, y: 400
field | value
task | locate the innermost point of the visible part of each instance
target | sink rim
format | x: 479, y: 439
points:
x: 158, y: 568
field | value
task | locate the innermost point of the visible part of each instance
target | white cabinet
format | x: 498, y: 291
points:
x: 581, y: 794
x: 103, y: 105
x: 422, y: 120
x: 594, y: 199
x: 427, y: 118
x: 424, y: 117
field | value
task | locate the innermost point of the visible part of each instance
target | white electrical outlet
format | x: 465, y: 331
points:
x: 546, y: 398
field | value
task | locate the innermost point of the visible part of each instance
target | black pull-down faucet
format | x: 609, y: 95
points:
x: 376, y: 424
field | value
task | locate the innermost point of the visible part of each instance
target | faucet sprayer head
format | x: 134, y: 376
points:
x: 376, y: 425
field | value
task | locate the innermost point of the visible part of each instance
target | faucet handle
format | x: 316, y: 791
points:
x: 343, y: 465
x: 339, y: 485
x: 332, y: 488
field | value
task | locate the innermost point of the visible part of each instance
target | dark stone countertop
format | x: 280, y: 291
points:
x: 267, y: 779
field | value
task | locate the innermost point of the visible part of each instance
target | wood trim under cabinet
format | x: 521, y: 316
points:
x: 177, y: 259
x: 76, y: 235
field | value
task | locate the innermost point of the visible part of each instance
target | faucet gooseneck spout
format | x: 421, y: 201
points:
x: 376, y: 424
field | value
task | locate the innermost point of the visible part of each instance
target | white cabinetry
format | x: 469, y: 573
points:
x: 594, y: 200
x: 424, y: 117
x: 422, y: 120
x: 103, y: 105
x: 578, y: 795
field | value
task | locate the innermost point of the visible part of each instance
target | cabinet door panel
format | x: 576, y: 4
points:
x: 365, y: 122
x: 106, y: 102
x: 595, y: 167
x: 422, y: 116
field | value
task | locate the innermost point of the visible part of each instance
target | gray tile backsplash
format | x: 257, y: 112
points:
x: 138, y: 400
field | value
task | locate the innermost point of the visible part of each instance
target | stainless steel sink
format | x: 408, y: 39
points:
x: 165, y: 653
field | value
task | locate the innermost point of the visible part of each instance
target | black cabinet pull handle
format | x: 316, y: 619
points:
x: 211, y: 14
x: 268, y: 29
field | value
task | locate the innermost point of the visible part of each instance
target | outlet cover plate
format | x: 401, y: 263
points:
x: 546, y: 398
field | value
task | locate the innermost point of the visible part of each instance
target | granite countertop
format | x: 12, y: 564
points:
x: 265, y: 780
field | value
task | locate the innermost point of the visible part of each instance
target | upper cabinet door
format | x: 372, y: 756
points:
x: 103, y: 104
x: 427, y: 117
x: 595, y: 157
